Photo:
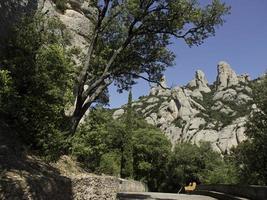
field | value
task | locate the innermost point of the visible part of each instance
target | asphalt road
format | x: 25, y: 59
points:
x: 160, y: 196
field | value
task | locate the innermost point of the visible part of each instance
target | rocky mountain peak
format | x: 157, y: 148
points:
x: 226, y: 76
x: 200, y: 76
x: 199, y: 83
x: 244, y: 78
x: 197, y: 112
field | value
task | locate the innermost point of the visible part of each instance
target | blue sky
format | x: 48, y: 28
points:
x: 241, y: 41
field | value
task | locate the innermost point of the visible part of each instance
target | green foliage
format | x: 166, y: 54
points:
x: 178, y: 122
x: 185, y: 163
x: 131, y: 40
x: 6, y: 90
x: 94, y: 140
x: 249, y: 160
x: 110, y: 163
x: 140, y: 31
x: 61, y: 4
x: 250, y: 156
x: 42, y: 74
x: 218, y: 169
x: 100, y: 146
x: 221, y: 119
x: 214, y: 115
x: 5, y: 82
x: 192, y: 163
x: 222, y: 173
x: 157, y: 104
x: 151, y: 153
x: 127, y: 146
x: 102, y: 140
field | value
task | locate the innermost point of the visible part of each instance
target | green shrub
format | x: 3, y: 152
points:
x: 61, y: 4
x: 110, y: 163
x: 250, y: 156
x: 189, y: 163
x: 223, y: 173
x: 42, y: 73
x: 101, y: 143
x: 178, y: 122
x: 6, y: 90
x: 151, y: 151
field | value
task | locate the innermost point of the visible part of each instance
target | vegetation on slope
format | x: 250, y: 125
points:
x: 61, y: 4
x: 100, y: 141
x: 37, y: 78
x: 250, y: 156
x: 98, y: 146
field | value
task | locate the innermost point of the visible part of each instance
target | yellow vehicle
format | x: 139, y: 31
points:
x: 191, y: 187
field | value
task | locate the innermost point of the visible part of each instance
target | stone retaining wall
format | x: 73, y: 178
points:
x: 102, y: 187
x: 132, y: 186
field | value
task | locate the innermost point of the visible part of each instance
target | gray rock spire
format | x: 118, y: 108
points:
x: 226, y: 76
x: 200, y: 82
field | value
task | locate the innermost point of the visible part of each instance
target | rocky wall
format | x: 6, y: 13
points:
x: 103, y: 187
x: 132, y: 186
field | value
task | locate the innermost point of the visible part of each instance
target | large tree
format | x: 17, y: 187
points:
x: 251, y: 155
x: 127, y: 146
x: 189, y: 163
x: 36, y: 80
x: 130, y: 40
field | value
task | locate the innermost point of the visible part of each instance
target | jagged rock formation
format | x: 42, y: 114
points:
x: 75, y: 18
x: 200, y: 83
x: 226, y: 76
x: 198, y: 112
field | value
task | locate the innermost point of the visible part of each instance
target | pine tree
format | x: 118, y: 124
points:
x: 127, y: 145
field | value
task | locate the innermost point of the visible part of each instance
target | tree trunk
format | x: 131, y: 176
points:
x: 75, y: 119
x: 74, y: 122
x: 83, y: 104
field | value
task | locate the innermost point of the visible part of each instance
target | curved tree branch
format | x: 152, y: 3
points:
x: 148, y: 80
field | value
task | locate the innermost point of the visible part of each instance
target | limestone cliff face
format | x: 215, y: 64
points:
x: 198, y: 112
x: 75, y: 17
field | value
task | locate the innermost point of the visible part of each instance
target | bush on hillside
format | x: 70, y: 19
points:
x: 42, y: 74
x: 201, y: 164
x: 61, y: 4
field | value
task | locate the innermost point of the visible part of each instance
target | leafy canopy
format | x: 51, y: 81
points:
x: 102, y: 143
x: 6, y: 90
x: 201, y: 164
x: 41, y: 73
x: 130, y: 40
x: 136, y: 33
x: 250, y: 155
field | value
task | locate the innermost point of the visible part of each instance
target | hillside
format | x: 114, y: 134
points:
x: 26, y: 176
x: 216, y: 112
x: 194, y: 112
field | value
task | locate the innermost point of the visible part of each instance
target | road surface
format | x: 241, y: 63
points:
x: 160, y: 196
